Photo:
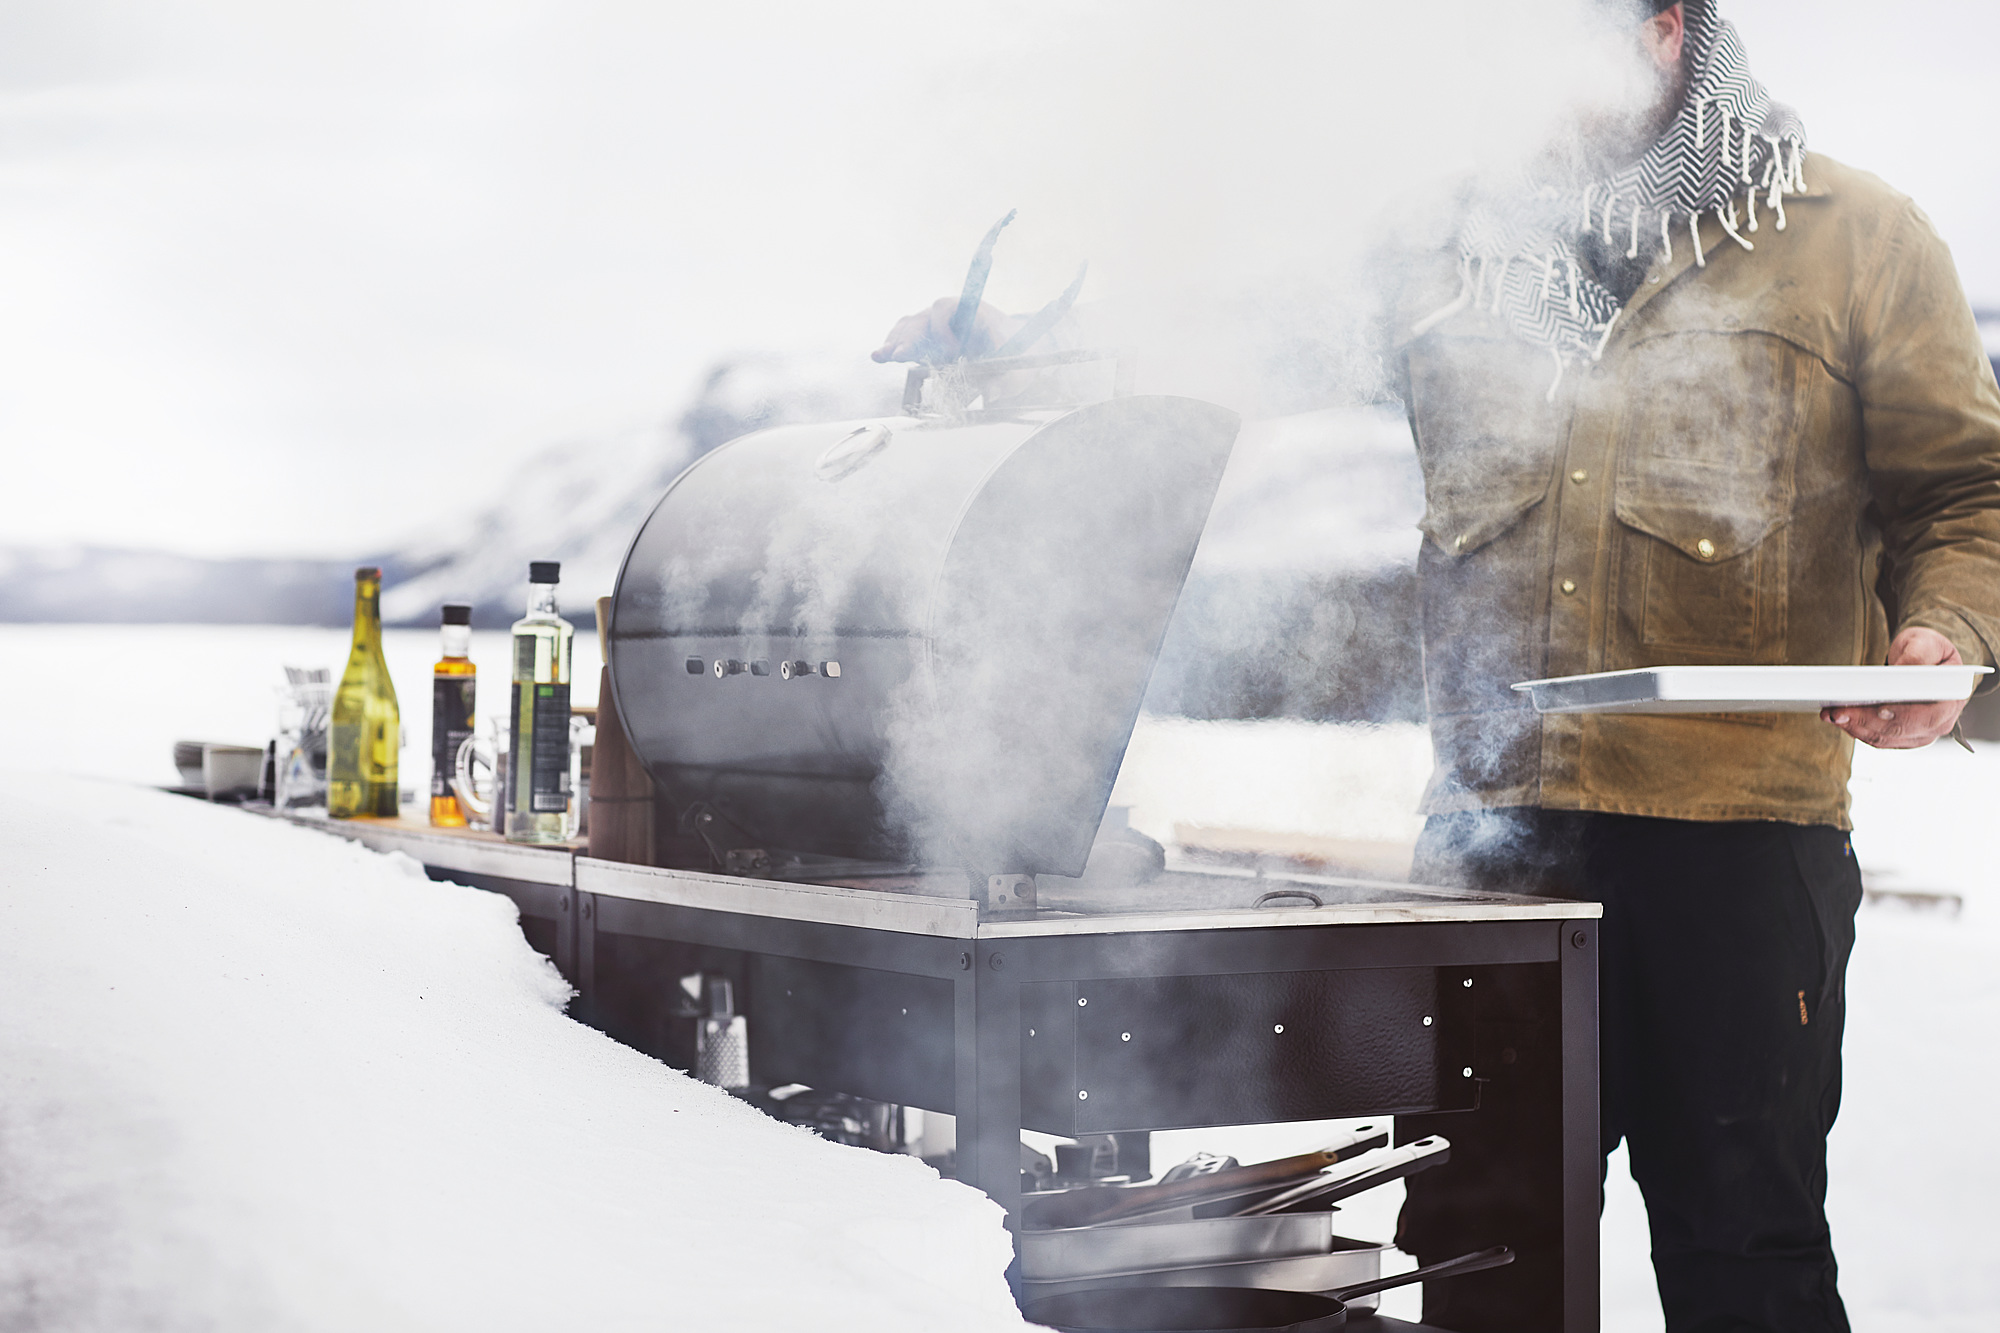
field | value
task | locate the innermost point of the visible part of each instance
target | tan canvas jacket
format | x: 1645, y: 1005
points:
x: 1782, y: 455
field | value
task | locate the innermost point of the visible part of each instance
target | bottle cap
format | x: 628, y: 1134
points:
x: 454, y: 614
x: 368, y: 572
x: 545, y: 571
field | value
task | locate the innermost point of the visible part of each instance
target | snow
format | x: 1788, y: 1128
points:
x: 252, y: 1077
x: 263, y: 1126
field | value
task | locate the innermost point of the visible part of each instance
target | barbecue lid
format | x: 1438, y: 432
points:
x: 912, y: 640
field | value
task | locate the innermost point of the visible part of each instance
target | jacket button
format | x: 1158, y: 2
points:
x: 1568, y: 586
x: 1579, y: 476
x: 1705, y: 549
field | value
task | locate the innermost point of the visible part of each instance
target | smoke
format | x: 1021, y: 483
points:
x: 1238, y: 176
x: 1252, y: 190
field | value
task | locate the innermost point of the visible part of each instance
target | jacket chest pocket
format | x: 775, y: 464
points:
x: 1707, y: 450
x: 1485, y: 438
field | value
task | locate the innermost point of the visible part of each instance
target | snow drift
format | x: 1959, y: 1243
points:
x: 252, y: 1077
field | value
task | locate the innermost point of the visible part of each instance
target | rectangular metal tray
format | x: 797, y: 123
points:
x: 1349, y: 1262
x: 1105, y: 1251
x: 1748, y: 689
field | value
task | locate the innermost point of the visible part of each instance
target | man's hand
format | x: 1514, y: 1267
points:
x: 926, y: 335
x: 1904, y: 726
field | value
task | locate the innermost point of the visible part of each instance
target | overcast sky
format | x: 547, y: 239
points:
x: 293, y: 277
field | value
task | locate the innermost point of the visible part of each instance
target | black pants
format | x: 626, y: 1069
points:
x: 1723, y: 958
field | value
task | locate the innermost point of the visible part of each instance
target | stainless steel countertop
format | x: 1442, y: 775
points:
x: 1184, y: 898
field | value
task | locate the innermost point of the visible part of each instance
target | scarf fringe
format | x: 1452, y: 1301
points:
x: 1707, y: 157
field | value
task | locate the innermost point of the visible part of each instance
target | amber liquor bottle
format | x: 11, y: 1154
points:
x: 454, y: 692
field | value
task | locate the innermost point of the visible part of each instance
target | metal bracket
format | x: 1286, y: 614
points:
x: 1008, y: 893
x: 725, y: 841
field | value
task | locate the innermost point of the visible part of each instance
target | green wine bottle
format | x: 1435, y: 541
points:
x: 367, y: 728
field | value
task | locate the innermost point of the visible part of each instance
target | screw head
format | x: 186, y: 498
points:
x: 1468, y: 983
x: 1124, y: 1036
x: 1081, y: 1001
x: 1467, y: 1071
x: 1578, y: 940
x: 1427, y: 1020
x: 565, y: 902
x: 1278, y: 1028
x: 996, y: 962
x: 965, y: 962
x: 1082, y: 1095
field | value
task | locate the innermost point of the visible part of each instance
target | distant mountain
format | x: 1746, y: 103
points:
x: 99, y: 584
x: 581, y: 501
x: 578, y: 502
x: 1301, y: 602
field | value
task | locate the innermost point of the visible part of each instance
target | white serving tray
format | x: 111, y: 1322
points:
x: 1749, y: 689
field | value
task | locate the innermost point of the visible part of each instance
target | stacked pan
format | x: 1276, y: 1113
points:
x: 1267, y: 1225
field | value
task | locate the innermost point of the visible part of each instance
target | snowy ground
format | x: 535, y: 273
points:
x: 256, y: 1078
x: 261, y: 1126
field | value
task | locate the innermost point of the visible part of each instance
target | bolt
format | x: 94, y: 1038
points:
x: 996, y: 962
x: 1081, y: 1001
x: 1427, y: 1020
x: 1124, y: 1036
x: 1278, y: 1028
x: 1082, y: 1095
x: 1467, y: 1071
x: 1578, y: 940
x: 1468, y: 983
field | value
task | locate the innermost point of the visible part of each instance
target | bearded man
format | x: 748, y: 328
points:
x: 1705, y: 400
x: 1686, y: 395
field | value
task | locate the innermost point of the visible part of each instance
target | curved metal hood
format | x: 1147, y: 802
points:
x: 991, y: 593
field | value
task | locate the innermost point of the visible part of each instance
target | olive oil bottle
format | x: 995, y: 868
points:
x: 367, y: 732
x: 454, y: 691
x: 538, y: 791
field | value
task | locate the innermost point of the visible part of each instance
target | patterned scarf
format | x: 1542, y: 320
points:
x: 1728, y: 140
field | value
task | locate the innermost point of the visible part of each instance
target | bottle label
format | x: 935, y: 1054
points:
x: 451, y: 722
x: 540, y: 749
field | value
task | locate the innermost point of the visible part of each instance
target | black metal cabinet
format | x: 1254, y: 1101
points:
x: 1075, y: 1025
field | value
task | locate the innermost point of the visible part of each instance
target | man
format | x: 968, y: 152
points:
x: 1688, y: 396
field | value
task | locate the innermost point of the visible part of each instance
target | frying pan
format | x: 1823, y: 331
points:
x: 1230, y: 1309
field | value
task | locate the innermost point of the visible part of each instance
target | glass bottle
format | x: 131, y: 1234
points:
x: 367, y: 732
x: 454, y: 690
x: 538, y: 790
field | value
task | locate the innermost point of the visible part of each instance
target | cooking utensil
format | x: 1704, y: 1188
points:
x: 1201, y: 1164
x: 1093, y: 1207
x: 1748, y: 689
x: 1364, y: 1173
x: 1231, y: 1309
